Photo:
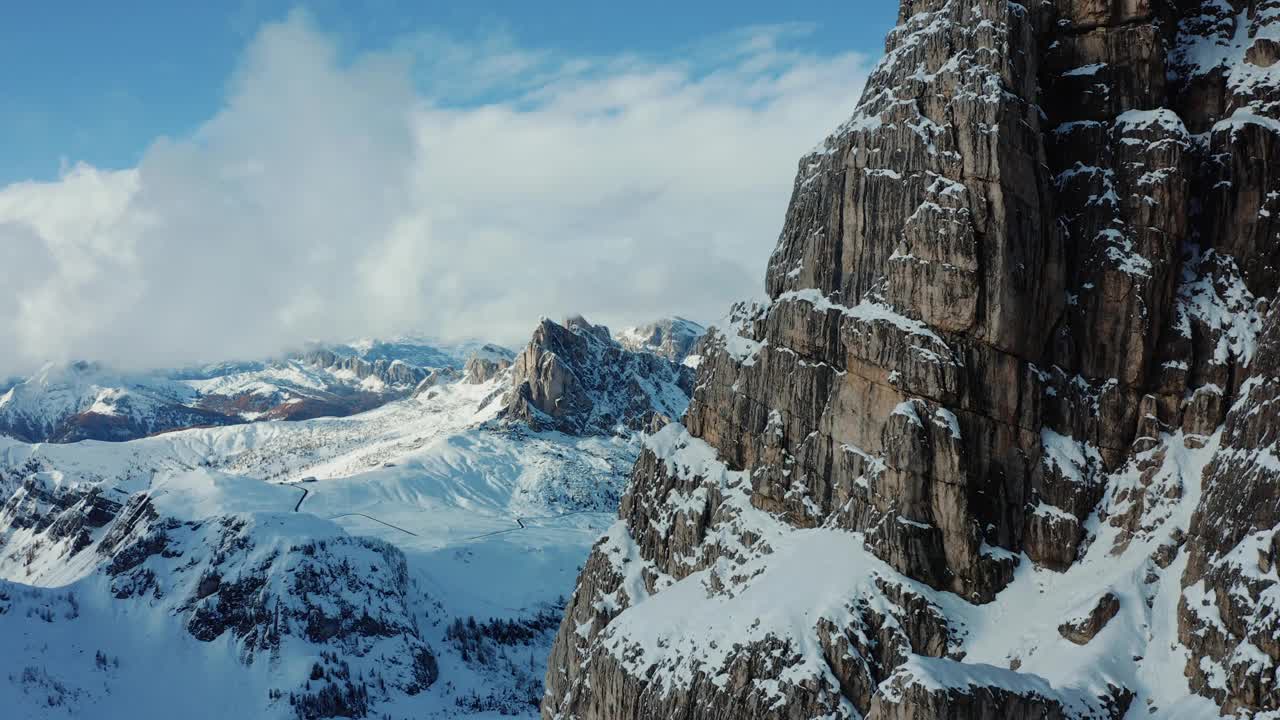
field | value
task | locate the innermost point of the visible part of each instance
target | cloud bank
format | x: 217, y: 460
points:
x: 461, y: 189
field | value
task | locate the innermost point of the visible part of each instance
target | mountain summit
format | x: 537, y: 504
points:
x: 673, y: 338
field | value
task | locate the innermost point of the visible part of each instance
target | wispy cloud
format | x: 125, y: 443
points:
x: 334, y: 197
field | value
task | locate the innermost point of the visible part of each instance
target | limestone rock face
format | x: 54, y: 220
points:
x: 1229, y: 616
x: 433, y: 378
x: 577, y: 379
x: 391, y: 372
x: 1015, y: 298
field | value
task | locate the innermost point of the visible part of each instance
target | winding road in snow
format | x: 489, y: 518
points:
x: 384, y: 522
x: 297, y: 507
x: 304, y: 497
x: 519, y: 521
x: 522, y: 526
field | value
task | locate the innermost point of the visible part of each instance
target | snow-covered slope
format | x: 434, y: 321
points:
x: 408, y: 561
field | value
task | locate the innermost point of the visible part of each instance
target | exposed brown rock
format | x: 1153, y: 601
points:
x: 433, y: 378
x: 1083, y: 629
x: 1264, y: 52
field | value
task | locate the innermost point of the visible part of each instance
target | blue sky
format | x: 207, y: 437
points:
x: 213, y: 185
x: 98, y: 82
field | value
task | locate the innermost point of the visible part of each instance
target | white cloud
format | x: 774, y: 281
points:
x: 332, y: 198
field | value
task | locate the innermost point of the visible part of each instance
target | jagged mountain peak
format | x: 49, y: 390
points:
x: 576, y: 378
x: 674, y: 338
x: 486, y: 362
x: 579, y: 324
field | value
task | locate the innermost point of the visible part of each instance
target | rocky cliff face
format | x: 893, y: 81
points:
x: 1229, y: 614
x: 391, y: 372
x: 1013, y: 302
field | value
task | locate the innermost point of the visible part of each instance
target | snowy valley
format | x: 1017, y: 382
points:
x: 1000, y: 440
x: 408, y: 561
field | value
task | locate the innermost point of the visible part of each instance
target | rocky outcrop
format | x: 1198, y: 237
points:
x: 485, y: 364
x: 227, y: 576
x: 434, y: 378
x: 957, y: 691
x: 674, y: 338
x: 1021, y: 287
x: 61, y: 520
x: 391, y: 372
x: 1083, y: 629
x: 575, y: 378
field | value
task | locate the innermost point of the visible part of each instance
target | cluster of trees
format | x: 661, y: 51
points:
x: 102, y: 662
x: 336, y: 692
x: 35, y: 680
x: 469, y: 636
x: 511, y: 649
x: 333, y: 699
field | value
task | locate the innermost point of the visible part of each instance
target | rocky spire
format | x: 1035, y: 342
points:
x: 575, y: 378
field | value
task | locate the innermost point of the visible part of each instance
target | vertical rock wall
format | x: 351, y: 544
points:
x: 1039, y: 253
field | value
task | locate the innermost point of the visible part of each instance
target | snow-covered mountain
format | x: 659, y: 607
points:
x: 65, y: 403
x: 62, y: 403
x: 674, y: 338
x: 407, y: 561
